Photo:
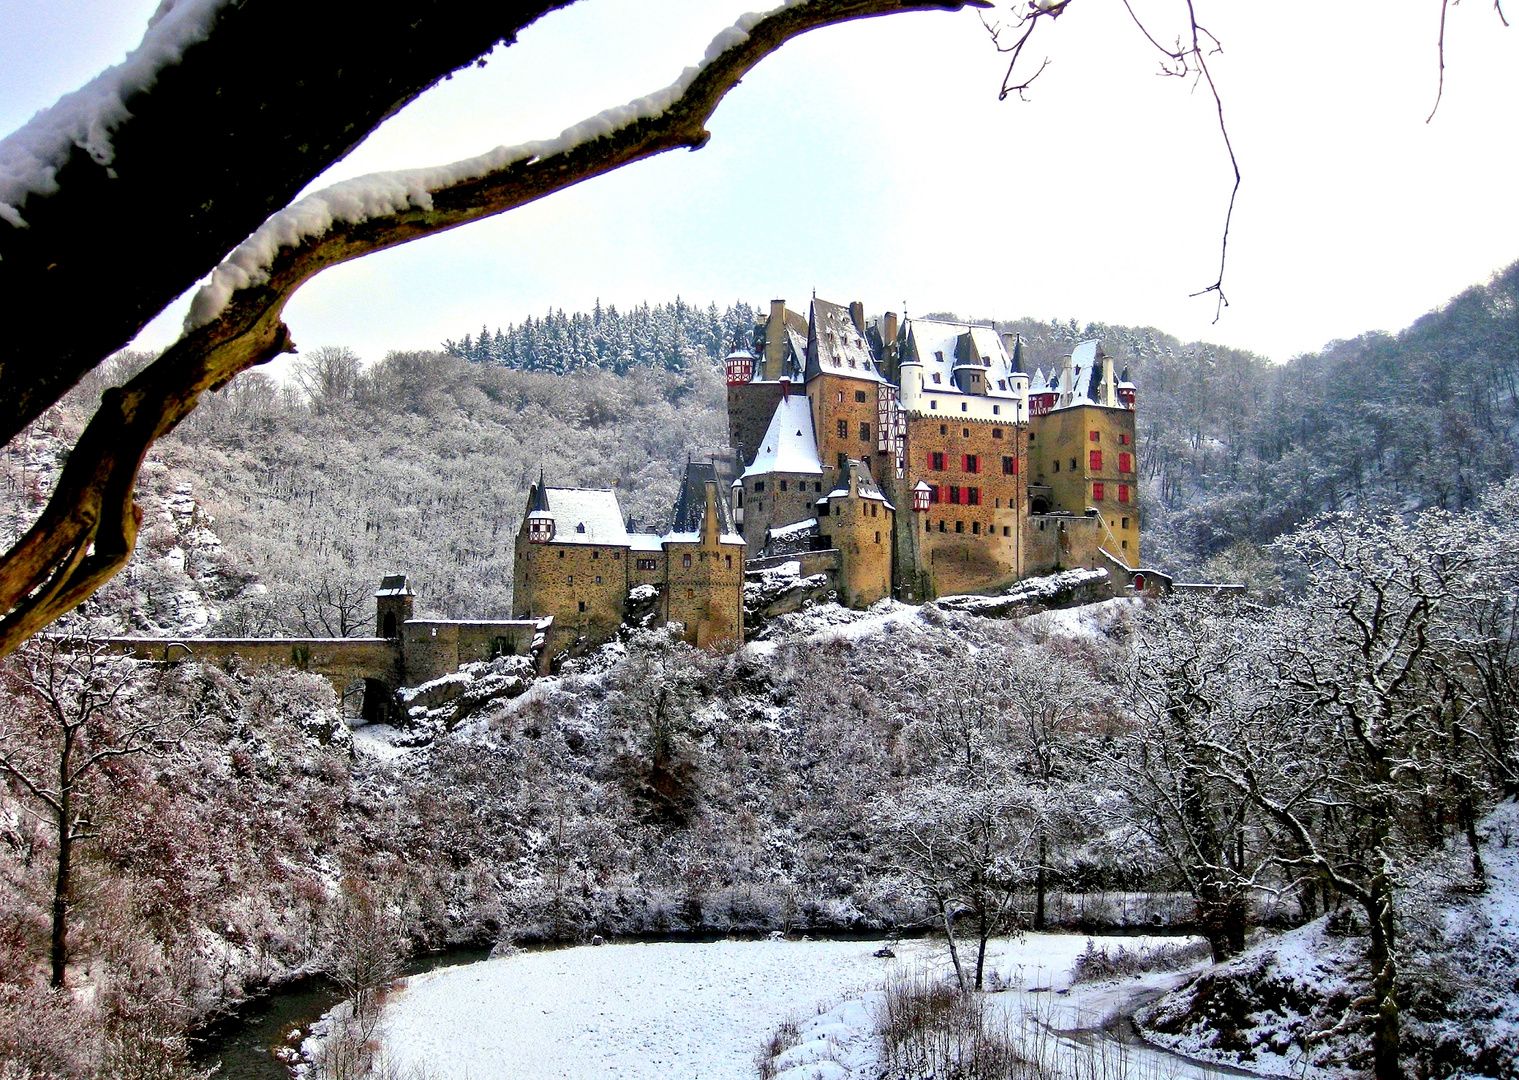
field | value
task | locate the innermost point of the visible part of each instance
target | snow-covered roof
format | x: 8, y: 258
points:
x: 789, y: 445
x: 394, y: 585
x: 1084, y: 378
x: 586, y: 516
x: 864, y: 484
x: 835, y: 346
x: 645, y: 542
x: 940, y: 347
x: 795, y: 527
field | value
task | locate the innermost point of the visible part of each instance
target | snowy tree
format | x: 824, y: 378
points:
x: 68, y: 717
x: 1189, y: 685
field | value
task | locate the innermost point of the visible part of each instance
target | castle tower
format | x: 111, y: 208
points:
x: 704, y: 590
x: 393, y: 605
x: 856, y: 519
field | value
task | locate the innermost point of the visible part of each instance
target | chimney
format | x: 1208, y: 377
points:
x: 710, y: 527
x: 857, y: 313
x: 785, y: 387
x: 1009, y: 341
x: 889, y: 327
x: 775, y: 341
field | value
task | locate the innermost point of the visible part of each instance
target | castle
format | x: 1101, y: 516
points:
x: 913, y: 458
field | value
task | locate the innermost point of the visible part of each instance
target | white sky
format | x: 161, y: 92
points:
x: 873, y: 162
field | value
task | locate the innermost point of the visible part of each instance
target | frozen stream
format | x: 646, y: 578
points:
x: 702, y: 1011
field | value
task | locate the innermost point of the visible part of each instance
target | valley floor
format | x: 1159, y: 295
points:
x: 703, y: 1011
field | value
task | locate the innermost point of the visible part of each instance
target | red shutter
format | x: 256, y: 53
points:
x: 1091, y: 436
x: 1125, y: 462
x: 1094, y: 460
x: 1097, y: 492
x: 1123, y: 493
x: 973, y: 496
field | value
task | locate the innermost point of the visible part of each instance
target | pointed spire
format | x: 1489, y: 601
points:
x: 1018, y: 355
x: 540, y: 499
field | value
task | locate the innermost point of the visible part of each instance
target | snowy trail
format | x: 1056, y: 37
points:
x: 702, y: 1011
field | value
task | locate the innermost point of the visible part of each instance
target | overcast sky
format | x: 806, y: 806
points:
x: 873, y: 161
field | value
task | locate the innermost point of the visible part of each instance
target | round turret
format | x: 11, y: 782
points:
x: 740, y: 366
x: 540, y: 527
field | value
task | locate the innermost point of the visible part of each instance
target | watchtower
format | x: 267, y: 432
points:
x: 393, y: 605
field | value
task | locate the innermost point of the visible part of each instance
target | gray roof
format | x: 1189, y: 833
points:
x: 584, y: 515
x: 835, y: 346
x: 691, y: 503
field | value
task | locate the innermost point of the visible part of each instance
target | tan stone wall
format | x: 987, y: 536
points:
x: 1064, y: 541
x: 343, y: 661
x: 708, y: 595
x: 646, y: 575
x: 1065, y: 437
x: 776, y: 499
x: 834, y: 398
x: 861, y: 531
x: 558, y: 579
x: 430, y: 649
x: 958, y: 547
x: 484, y: 639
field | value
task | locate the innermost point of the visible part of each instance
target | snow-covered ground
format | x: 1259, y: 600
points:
x: 703, y: 1011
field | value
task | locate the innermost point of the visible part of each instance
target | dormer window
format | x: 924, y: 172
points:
x: 937, y: 380
x: 1001, y: 384
x: 580, y: 527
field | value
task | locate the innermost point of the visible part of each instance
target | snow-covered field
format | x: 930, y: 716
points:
x: 702, y: 1011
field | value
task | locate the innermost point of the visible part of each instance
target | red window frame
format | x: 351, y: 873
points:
x: 1094, y: 460
x: 936, y: 461
x: 1097, y: 493
x: 1092, y: 436
x: 970, y: 463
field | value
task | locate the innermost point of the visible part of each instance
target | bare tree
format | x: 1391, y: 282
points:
x: 1189, y: 685
x: 1050, y: 695
x: 328, y: 376
x: 332, y: 606
x: 369, y: 949
x: 70, y: 714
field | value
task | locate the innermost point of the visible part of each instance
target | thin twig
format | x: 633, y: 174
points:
x: 1440, y: 89
x: 1218, y: 102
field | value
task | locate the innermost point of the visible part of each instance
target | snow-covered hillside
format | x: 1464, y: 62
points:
x: 1294, y: 1005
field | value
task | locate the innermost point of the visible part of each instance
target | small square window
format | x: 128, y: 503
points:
x: 843, y: 427
x: 1007, y: 530
x: 959, y: 526
x: 1125, y: 523
x: 996, y: 433
x: 975, y: 528
x: 965, y: 433
x: 582, y: 606
x: 598, y: 579
x: 859, y: 395
x: 864, y: 432
x: 783, y: 485
x: 759, y: 486
x: 963, y: 406
x: 933, y: 404
x: 570, y: 580
x: 943, y: 429
x: 937, y: 380
x: 996, y: 410
x: 685, y: 560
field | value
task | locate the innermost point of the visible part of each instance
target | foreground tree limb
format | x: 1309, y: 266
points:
x: 89, y: 527
x: 143, y: 179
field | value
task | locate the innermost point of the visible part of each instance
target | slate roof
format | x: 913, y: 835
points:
x: 691, y: 506
x: 835, y: 345
x: 943, y: 346
x: 789, y: 445
x: 584, y: 515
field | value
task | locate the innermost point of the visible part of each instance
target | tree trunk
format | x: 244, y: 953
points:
x: 60, y: 951
x: 984, y: 933
x: 1384, y: 983
x: 954, y: 953
x: 1039, y: 883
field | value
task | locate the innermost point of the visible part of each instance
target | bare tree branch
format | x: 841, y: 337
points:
x: 89, y: 527
x: 1440, y: 87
